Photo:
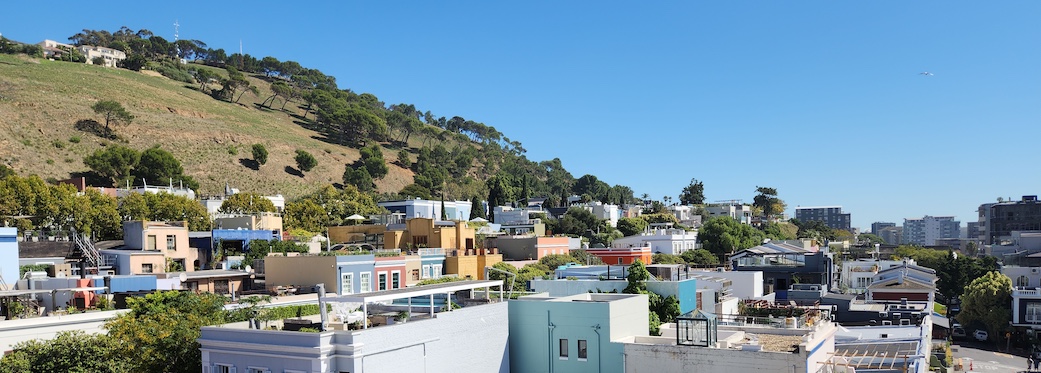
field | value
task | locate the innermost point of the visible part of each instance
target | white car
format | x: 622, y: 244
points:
x: 980, y: 335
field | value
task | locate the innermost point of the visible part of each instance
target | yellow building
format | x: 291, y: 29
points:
x: 470, y: 264
x: 425, y: 232
x: 354, y: 233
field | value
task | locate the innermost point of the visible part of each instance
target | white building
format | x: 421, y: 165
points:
x: 857, y: 275
x: 743, y: 284
x: 213, y: 203
x: 421, y: 208
x: 740, y: 212
x: 686, y: 215
x: 605, y: 212
x: 925, y: 231
x: 735, y: 348
x: 666, y: 240
x: 469, y: 339
x: 111, y: 56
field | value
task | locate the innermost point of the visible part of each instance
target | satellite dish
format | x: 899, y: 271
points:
x: 183, y: 276
x: 249, y: 269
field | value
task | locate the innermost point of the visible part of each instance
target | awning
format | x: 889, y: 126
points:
x: 940, y: 321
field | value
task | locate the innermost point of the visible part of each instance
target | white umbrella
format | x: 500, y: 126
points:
x: 355, y: 217
x: 479, y: 220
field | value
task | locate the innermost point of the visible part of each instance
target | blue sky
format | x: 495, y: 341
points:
x: 820, y: 99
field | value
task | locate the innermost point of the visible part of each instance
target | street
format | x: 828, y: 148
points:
x: 987, y: 358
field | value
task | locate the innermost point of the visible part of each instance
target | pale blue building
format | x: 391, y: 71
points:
x: 9, y: 256
x: 574, y: 333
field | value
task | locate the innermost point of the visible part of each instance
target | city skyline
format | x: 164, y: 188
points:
x: 824, y: 101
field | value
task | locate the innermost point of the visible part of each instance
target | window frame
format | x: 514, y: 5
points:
x: 346, y: 281
x: 381, y: 280
x: 366, y: 286
x: 583, y: 350
x: 562, y: 349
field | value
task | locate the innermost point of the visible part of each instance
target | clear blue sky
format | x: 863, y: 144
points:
x: 820, y: 99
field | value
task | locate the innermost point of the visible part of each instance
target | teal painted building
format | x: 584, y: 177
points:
x: 573, y: 333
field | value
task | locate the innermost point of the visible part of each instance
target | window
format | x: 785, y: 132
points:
x: 146, y: 268
x: 366, y: 282
x: 1022, y: 282
x: 619, y: 260
x: 419, y: 240
x: 220, y: 368
x: 437, y: 271
x: 415, y: 275
x: 563, y: 349
x: 381, y: 282
x: 192, y: 285
x: 582, y: 349
x: 151, y: 243
x: 1033, y: 314
x: 257, y: 370
x: 427, y: 272
x: 222, y: 287
x: 395, y: 280
x: 171, y: 243
x: 347, y: 283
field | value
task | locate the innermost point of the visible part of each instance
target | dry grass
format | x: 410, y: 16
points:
x: 40, y: 102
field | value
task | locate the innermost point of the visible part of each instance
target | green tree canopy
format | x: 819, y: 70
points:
x: 723, y: 235
x: 699, y: 257
x: 372, y: 159
x: 69, y: 351
x: 247, y: 203
x: 632, y: 226
x: 260, y: 154
x: 159, y: 167
x: 162, y: 328
x: 637, y: 278
x: 358, y: 177
x: 114, y: 163
x: 766, y: 199
x: 693, y: 194
x: 341, y: 203
x: 112, y: 112
x: 305, y: 161
x: 307, y: 215
x: 988, y: 299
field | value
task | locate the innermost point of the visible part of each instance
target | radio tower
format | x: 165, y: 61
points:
x: 176, y: 26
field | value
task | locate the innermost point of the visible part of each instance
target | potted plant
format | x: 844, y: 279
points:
x: 403, y: 316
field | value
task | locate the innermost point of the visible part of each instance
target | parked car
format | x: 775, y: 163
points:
x: 980, y: 335
x: 957, y: 331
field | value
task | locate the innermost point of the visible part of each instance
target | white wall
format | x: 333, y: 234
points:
x: 744, y: 284
x: 640, y: 358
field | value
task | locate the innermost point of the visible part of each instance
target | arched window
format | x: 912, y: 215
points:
x: 1022, y: 282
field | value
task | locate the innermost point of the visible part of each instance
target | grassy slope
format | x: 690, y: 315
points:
x: 40, y: 102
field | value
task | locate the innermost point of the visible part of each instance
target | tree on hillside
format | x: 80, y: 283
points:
x: 781, y: 231
x: 305, y: 161
x: 693, y: 194
x: 415, y: 191
x: 247, y: 203
x: 113, y: 112
x: 372, y: 159
x: 359, y: 177
x: 632, y: 226
x: 403, y: 158
x: 988, y: 299
x: 260, y: 154
x: 114, y: 163
x: 158, y: 166
x: 724, y: 235
x: 766, y: 199
x: 500, y: 191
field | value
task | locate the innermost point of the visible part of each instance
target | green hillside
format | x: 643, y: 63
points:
x: 41, y: 101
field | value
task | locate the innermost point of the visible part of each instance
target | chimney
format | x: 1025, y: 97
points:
x: 320, y: 288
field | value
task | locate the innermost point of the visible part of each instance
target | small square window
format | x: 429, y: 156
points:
x: 563, y: 349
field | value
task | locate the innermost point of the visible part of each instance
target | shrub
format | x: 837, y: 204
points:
x: 100, y: 61
x: 75, y: 139
x: 260, y: 153
x: 58, y: 144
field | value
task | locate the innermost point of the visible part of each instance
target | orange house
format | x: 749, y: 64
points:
x: 426, y: 232
x: 626, y: 255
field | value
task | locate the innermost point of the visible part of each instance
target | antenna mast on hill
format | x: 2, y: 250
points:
x: 240, y: 54
x: 176, y: 29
